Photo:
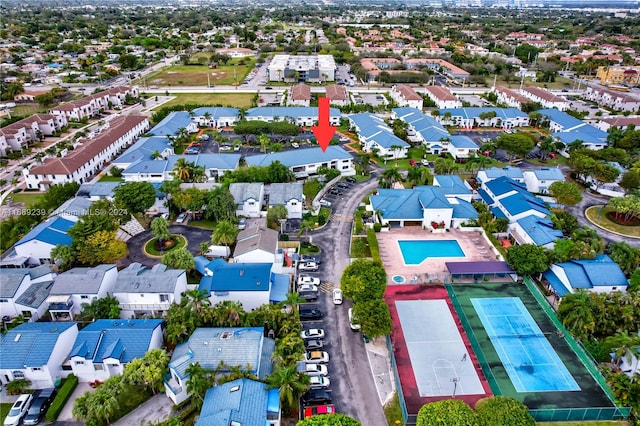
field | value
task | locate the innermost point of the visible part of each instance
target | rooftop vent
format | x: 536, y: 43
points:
x: 18, y: 336
x: 234, y: 389
x: 242, y: 272
x: 226, y: 335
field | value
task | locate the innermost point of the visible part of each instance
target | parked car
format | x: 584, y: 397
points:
x: 353, y: 322
x: 308, y: 296
x: 314, y: 370
x: 413, y: 163
x: 313, y: 344
x: 310, y: 314
x: 325, y: 203
x: 316, y: 397
x: 318, y: 410
x: 308, y: 266
x: 181, y: 218
x: 18, y: 410
x: 343, y: 185
x: 308, y: 279
x: 335, y: 191
x: 307, y: 288
x: 316, y: 357
x: 337, y: 296
x: 312, y: 333
x: 236, y: 148
x: 242, y: 223
x: 319, y: 382
x: 310, y: 258
x: 39, y: 407
x: 296, y: 145
x: 350, y: 179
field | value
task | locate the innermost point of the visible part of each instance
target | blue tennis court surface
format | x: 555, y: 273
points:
x: 525, y: 352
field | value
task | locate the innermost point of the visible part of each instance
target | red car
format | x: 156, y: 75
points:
x: 413, y: 163
x: 318, y: 410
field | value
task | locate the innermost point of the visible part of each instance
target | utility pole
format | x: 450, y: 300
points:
x: 455, y: 381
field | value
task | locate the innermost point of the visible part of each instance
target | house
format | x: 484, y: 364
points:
x: 508, y: 198
x: 306, y: 162
x: 73, y: 208
x: 256, y: 244
x: 36, y: 246
x: 299, y: 95
x: 240, y: 402
x: 35, y: 351
x: 534, y: 230
x: 248, y: 198
x: 147, y: 148
x: 337, y: 95
x: 560, y: 121
x: 486, y: 175
x: 290, y: 196
x: 148, y: 291
x: 406, y: 96
x: 90, y: 157
x: 615, y: 100
x: 452, y: 186
x: 97, y: 190
x: 302, y: 116
x: 297, y: 68
x: 376, y: 136
x: 24, y: 290
x: 421, y: 206
x: 470, y: 117
x: 172, y: 123
x: 544, y: 98
x: 157, y: 171
x: 215, y: 116
x: 440, y: 65
x: 19, y: 134
x: 462, y: 147
x: 590, y: 137
x: 78, y: 286
x: 247, y: 283
x: 442, y: 97
x: 424, y: 130
x: 539, y: 180
x: 245, y: 347
x: 91, y: 105
x: 600, y: 275
x: 510, y: 97
x: 621, y: 123
x: 104, y: 347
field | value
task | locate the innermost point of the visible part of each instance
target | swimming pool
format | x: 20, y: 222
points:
x: 414, y: 252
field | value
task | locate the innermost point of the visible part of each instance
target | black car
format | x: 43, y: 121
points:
x: 313, y: 344
x: 316, y: 397
x: 308, y: 296
x: 350, y: 179
x: 39, y: 407
x: 335, y: 191
x: 342, y: 185
x: 310, y: 258
x: 310, y: 314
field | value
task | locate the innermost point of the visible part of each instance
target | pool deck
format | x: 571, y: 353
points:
x: 432, y: 270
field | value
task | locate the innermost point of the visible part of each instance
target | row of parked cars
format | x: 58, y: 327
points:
x: 31, y: 407
x: 317, y: 400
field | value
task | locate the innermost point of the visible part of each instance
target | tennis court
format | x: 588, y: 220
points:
x: 525, y: 352
x: 440, y: 361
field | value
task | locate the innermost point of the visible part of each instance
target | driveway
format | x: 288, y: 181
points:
x: 354, y: 388
x: 136, y: 244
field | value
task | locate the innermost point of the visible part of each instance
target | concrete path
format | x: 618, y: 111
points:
x: 157, y: 409
x: 65, y: 414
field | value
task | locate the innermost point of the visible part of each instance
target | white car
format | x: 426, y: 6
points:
x: 316, y: 357
x: 18, y: 410
x: 308, y: 266
x: 295, y: 145
x: 181, y: 217
x: 314, y: 370
x: 319, y: 382
x: 312, y: 333
x: 337, y: 296
x: 308, y: 279
x: 352, y: 321
x: 308, y: 288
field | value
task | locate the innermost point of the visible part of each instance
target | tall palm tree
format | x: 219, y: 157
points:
x: 200, y: 380
x: 576, y: 313
x: 396, y: 149
x: 389, y: 177
x: 482, y: 162
x: 547, y: 146
x: 291, y: 383
x: 264, y: 142
x: 229, y: 313
x: 197, y: 299
x: 207, y: 117
x: 623, y: 345
x: 182, y: 169
x: 225, y: 233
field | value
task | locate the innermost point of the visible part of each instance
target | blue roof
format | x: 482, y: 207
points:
x: 510, y: 172
x: 208, y: 161
x: 540, y: 230
x: 279, y: 288
x: 241, y: 401
x: 426, y: 126
x: 53, y: 232
x: 409, y: 203
x: 124, y: 340
x: 588, y: 134
x: 170, y: 125
x: 144, y: 148
x: 523, y: 202
x: 561, y: 118
x: 504, y: 185
x: 216, y: 112
x: 237, y: 277
x: 546, y: 173
x: 474, y: 112
x: 555, y: 283
x: 147, y: 166
x: 485, y: 197
x: 451, y: 184
x: 589, y: 273
x: 499, y: 214
x: 30, y: 344
x: 293, y: 112
x: 374, y: 129
x: 97, y: 189
x: 300, y: 157
x: 463, y: 209
x: 462, y: 142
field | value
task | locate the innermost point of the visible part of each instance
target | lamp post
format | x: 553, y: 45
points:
x: 455, y: 381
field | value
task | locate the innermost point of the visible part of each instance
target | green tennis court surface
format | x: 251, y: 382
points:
x: 528, y: 357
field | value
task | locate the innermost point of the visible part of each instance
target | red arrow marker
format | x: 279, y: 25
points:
x: 324, y: 131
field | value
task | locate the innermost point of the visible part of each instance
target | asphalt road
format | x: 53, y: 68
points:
x: 352, y: 384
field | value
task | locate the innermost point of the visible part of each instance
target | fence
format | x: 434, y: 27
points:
x: 396, y: 376
x: 579, y: 414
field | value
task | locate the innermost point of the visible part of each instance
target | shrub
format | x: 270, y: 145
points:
x: 17, y: 386
x: 63, y: 396
x: 373, y: 245
x: 377, y: 227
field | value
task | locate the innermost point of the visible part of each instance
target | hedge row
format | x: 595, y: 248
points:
x: 373, y: 245
x: 61, y: 398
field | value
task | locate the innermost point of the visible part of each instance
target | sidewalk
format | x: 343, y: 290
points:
x: 380, y: 364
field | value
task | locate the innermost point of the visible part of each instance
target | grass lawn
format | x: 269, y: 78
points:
x: 237, y: 100
x: 203, y: 224
x: 28, y: 109
x: 393, y: 412
x: 4, y: 410
x: 196, y: 75
x: 28, y: 198
x: 150, y: 247
x: 560, y: 83
x: 107, y: 178
x: 310, y: 189
x: 604, y: 222
x: 360, y: 247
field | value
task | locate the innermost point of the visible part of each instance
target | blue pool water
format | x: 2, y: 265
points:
x: 414, y: 252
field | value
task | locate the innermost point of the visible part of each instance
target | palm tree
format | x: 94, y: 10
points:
x: 198, y: 174
x: 482, y: 161
x: 623, y: 345
x: 291, y: 383
x: 576, y: 313
x: 200, y: 380
x: 197, y: 299
x: 229, y: 313
x: 182, y: 169
x: 389, y: 177
x: 396, y: 149
x: 225, y: 233
x: 207, y: 117
x: 264, y: 142
x: 182, y: 135
x: 415, y: 174
x: 548, y: 145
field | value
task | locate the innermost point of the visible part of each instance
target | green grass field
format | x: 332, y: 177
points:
x: 601, y: 219
x: 237, y: 100
x: 28, y: 198
x: 4, y: 410
x: 199, y: 75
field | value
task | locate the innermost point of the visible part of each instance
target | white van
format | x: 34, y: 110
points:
x: 218, y: 251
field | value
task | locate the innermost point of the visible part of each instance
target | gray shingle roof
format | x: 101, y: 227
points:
x: 139, y: 279
x: 256, y: 238
x: 244, y: 191
x: 80, y: 280
x: 35, y: 294
x: 282, y: 193
x: 10, y: 280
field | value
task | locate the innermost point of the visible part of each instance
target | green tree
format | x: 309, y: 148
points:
x: 625, y: 256
x: 373, y: 316
x: 264, y: 142
x: 63, y: 256
x: 160, y: 229
x: 336, y: 419
x: 101, y: 405
x: 576, y: 313
x: 148, y: 371
x: 275, y: 214
x: 567, y: 193
x: 634, y: 282
x: 291, y: 383
x: 363, y: 280
x: 182, y: 169
x: 135, y: 196
x: 528, y: 259
x: 101, y: 247
x: 220, y: 205
x: 98, y: 218
x: 448, y: 412
x: 605, y: 173
x: 199, y: 381
x: 103, y: 308
x: 564, y: 221
x: 519, y: 144
x: 225, y: 233
x: 18, y: 386
x: 179, y: 259
x: 503, y: 411
x: 192, y: 199
x: 389, y: 177
x: 630, y: 181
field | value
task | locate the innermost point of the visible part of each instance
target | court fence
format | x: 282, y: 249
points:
x: 403, y: 406
x: 579, y: 414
